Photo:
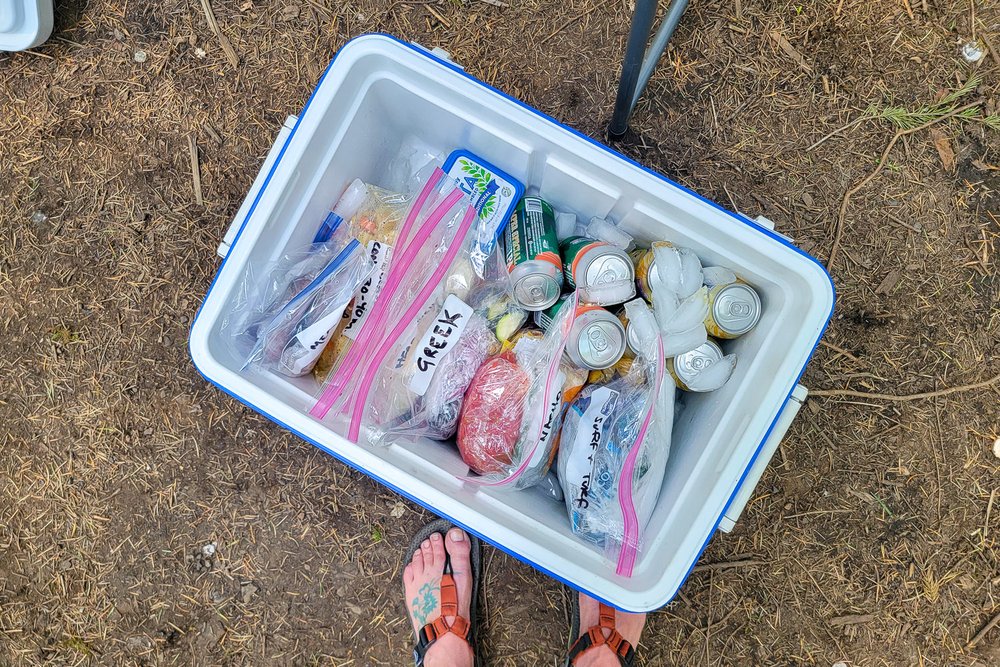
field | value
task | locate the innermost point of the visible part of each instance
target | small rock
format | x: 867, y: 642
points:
x: 208, y: 550
x: 398, y: 510
x: 38, y: 217
x: 807, y: 199
x: 839, y: 664
x: 247, y: 591
x: 353, y: 608
x: 996, y: 448
x: 973, y: 52
x: 139, y: 643
x: 119, y: 35
x: 199, y: 52
x: 140, y: 56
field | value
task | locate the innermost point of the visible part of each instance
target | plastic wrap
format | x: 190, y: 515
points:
x: 414, y: 395
x: 509, y: 426
x: 291, y: 342
x: 614, y: 449
x: 265, y: 290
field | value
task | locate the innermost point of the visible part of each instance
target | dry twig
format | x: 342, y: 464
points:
x: 905, y: 397
x: 195, y: 169
x: 227, y: 48
x: 982, y: 633
x: 838, y: 232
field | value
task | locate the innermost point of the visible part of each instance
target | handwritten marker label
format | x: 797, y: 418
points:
x: 440, y: 337
x: 580, y: 466
x: 380, y: 254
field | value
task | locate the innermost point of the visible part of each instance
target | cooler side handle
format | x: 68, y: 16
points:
x: 746, y: 489
x: 258, y: 183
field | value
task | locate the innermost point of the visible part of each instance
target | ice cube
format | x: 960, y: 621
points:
x: 668, y: 268
x: 665, y: 305
x: 642, y: 321
x: 691, y: 273
x: 718, y: 275
x: 684, y: 341
x: 565, y: 224
x: 690, y: 313
x: 604, y: 230
x: 607, y: 294
x: 715, y: 376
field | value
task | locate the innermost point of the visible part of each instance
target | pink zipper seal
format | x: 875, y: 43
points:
x: 340, y: 377
x: 418, y: 304
x: 376, y: 319
x: 630, y: 537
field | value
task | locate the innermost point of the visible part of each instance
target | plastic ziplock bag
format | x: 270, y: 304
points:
x: 264, y: 291
x: 421, y: 388
x: 615, y: 446
x: 291, y: 342
x: 442, y: 331
x: 438, y: 225
x: 375, y: 216
x: 509, y: 426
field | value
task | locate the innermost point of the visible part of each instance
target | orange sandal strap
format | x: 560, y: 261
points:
x: 439, y: 627
x: 595, y: 637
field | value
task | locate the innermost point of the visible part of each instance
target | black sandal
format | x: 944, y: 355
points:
x: 464, y: 628
x: 594, y: 637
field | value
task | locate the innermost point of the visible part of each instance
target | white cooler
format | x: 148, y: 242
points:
x: 24, y: 23
x: 377, y: 93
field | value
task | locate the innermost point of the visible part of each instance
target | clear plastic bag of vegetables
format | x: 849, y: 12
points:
x: 509, y: 427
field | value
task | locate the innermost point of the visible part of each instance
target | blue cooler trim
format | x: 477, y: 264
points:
x: 735, y: 216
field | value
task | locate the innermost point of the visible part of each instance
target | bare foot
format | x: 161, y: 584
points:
x: 629, y: 626
x: 422, y: 586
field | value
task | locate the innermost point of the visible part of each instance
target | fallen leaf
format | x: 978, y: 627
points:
x: 398, y: 510
x: 943, y: 145
x: 889, y: 282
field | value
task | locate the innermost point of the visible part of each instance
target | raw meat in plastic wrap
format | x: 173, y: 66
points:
x: 509, y: 427
x: 491, y: 417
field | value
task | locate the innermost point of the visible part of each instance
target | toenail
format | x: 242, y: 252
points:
x: 456, y: 535
x: 436, y: 537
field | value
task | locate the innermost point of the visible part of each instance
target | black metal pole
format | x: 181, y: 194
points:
x: 642, y: 24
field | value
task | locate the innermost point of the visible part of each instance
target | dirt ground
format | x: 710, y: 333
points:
x: 871, y: 540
